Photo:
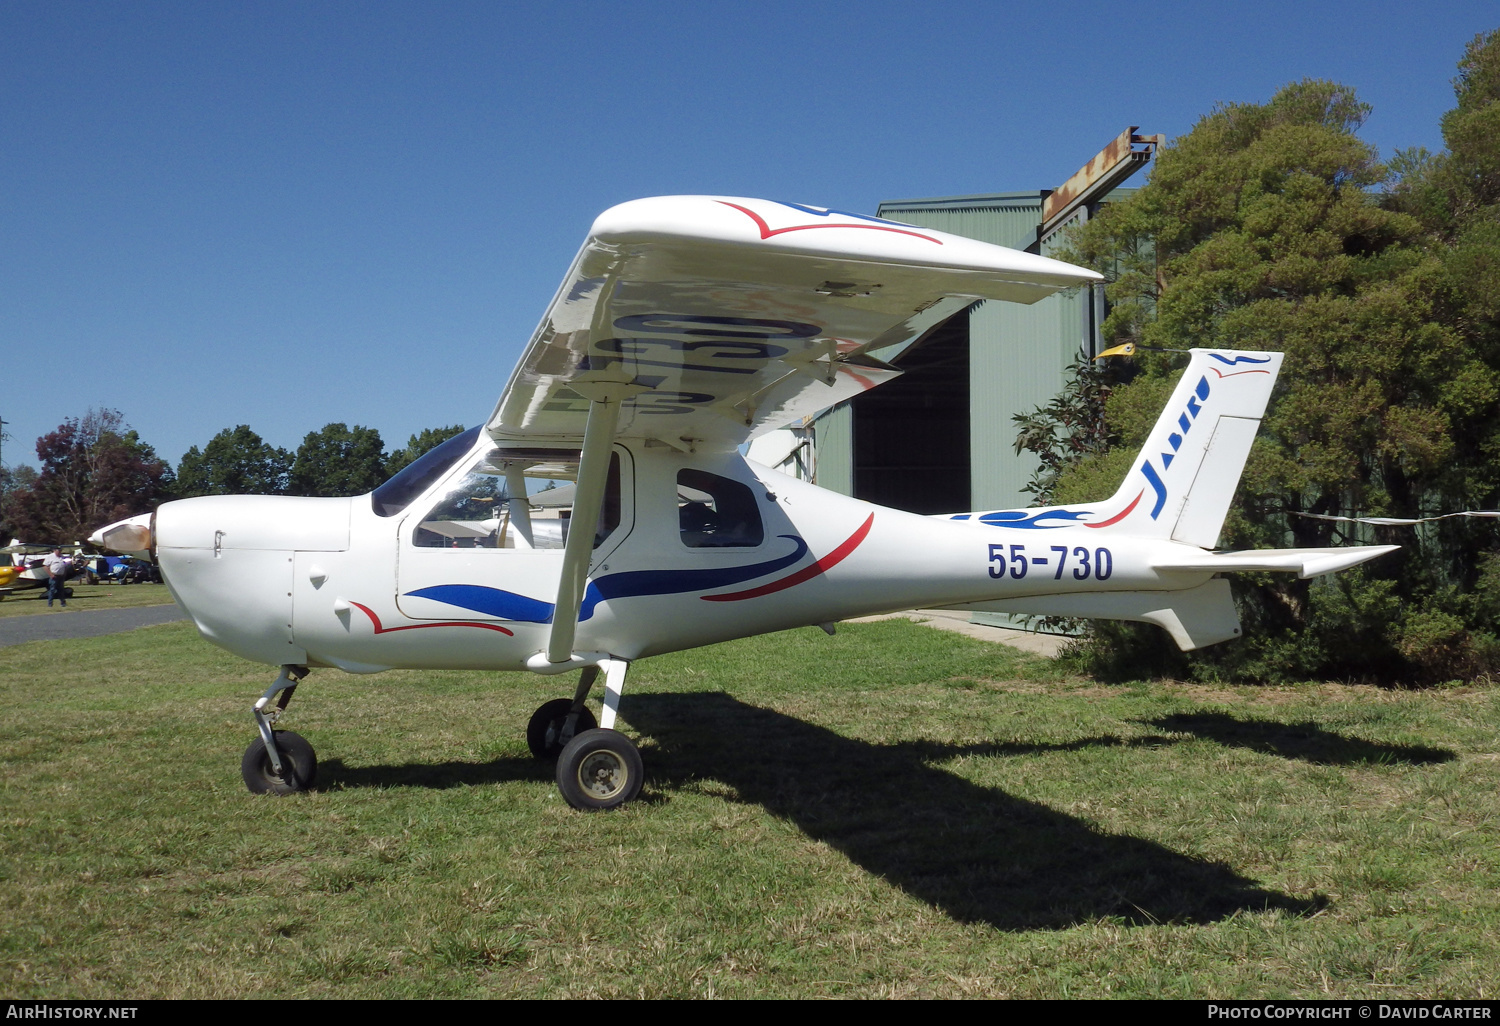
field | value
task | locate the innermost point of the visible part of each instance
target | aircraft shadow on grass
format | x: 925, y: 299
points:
x: 333, y: 773
x: 977, y: 853
x: 1306, y: 741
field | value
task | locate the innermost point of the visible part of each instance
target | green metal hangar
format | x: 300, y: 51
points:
x: 939, y: 439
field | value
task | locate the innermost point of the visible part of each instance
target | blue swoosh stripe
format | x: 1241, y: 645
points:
x: 507, y: 605
x: 675, y: 582
x: 1035, y: 522
x: 1239, y: 359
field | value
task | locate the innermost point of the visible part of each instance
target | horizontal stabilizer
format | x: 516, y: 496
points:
x: 1303, y: 562
x: 1196, y: 617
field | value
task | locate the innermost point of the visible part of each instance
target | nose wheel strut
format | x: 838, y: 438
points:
x: 279, y: 761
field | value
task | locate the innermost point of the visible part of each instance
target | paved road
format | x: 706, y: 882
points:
x: 958, y: 621
x: 16, y: 630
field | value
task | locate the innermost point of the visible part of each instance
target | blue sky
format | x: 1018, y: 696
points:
x: 286, y: 214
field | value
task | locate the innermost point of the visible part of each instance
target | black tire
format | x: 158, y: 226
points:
x: 544, y: 732
x: 297, y: 757
x: 67, y: 593
x: 599, y: 769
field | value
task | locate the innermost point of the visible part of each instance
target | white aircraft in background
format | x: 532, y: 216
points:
x: 26, y: 570
x: 686, y: 327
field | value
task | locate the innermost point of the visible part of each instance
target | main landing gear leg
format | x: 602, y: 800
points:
x: 601, y: 768
x: 560, y: 720
x: 279, y: 762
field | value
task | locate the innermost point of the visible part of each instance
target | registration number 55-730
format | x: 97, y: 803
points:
x: 1084, y: 562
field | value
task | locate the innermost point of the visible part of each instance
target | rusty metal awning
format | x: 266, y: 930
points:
x: 1096, y: 179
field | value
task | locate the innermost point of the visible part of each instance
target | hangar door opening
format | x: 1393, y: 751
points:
x: 911, y: 435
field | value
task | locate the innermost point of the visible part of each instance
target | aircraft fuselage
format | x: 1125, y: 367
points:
x: 329, y: 582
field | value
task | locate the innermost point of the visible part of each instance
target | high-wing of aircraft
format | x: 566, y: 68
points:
x: 686, y: 327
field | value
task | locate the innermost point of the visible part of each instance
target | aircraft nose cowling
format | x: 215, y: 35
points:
x: 229, y: 561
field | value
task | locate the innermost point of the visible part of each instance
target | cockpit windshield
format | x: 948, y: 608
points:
x: 416, y: 477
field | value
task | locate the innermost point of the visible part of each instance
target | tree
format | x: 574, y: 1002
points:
x: 429, y: 439
x: 338, y: 460
x: 94, y: 471
x: 1455, y: 194
x: 1263, y: 229
x: 235, y: 462
x: 13, y: 482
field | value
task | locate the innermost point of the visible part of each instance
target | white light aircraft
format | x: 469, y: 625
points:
x: 686, y: 327
x: 26, y: 570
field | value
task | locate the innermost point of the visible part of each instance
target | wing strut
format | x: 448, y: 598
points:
x: 593, y: 475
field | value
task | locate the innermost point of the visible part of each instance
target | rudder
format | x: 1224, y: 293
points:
x: 1185, y: 477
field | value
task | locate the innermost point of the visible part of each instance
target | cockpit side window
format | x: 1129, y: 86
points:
x: 516, y: 499
x: 716, y: 512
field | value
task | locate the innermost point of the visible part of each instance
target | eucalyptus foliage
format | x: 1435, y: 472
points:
x: 1275, y: 227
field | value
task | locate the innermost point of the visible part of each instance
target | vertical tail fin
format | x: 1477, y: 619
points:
x: 1183, y: 480
x: 1185, y: 476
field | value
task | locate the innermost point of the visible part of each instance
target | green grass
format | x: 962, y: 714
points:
x: 896, y: 811
x: 85, y: 597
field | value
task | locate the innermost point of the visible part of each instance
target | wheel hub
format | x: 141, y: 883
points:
x: 603, y: 774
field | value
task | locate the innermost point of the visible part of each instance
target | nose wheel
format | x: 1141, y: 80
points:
x: 299, y: 765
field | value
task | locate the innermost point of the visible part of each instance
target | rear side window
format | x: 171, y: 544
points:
x: 715, y: 512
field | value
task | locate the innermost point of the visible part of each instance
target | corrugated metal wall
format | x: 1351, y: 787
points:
x: 1017, y: 354
x: 833, y: 434
x: 1003, y: 218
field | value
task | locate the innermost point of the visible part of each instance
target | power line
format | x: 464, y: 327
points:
x: 1399, y: 521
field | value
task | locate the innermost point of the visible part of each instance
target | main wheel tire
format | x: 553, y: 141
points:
x: 599, y: 769
x: 544, y: 732
x: 298, y: 761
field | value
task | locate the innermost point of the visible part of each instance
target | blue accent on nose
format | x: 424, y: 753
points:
x: 506, y: 605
